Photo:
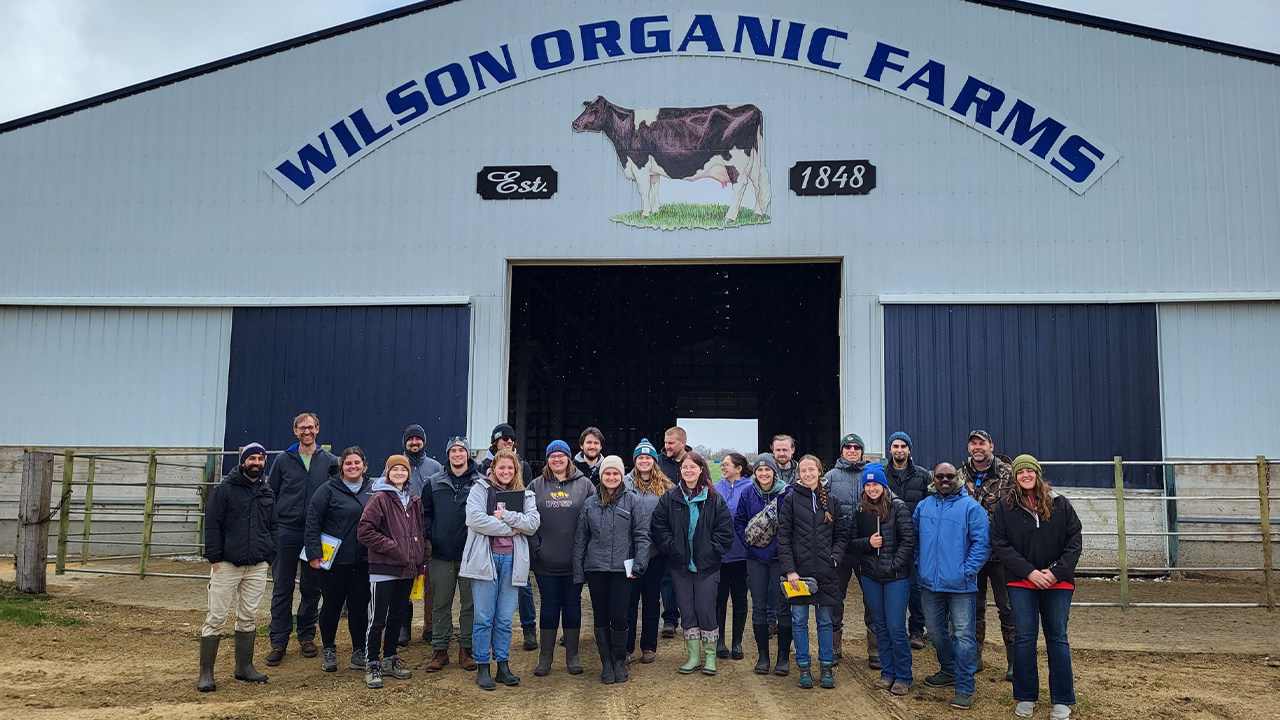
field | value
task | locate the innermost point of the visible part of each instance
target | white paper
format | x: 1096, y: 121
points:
x: 628, y: 564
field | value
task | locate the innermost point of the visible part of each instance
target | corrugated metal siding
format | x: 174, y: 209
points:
x: 113, y: 376
x: 368, y: 372
x: 1062, y: 382
x: 1221, y: 379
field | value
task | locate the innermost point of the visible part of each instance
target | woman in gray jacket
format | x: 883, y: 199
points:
x: 496, y: 559
x: 611, y: 550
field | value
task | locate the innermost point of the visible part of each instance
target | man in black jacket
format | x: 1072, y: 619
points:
x: 909, y: 483
x: 591, y: 446
x: 239, y: 542
x: 295, y: 476
x: 445, y: 504
x: 422, y: 467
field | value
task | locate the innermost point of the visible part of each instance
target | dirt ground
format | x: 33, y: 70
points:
x: 134, y: 655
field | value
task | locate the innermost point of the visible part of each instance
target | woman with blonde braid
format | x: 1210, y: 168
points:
x: 811, y: 541
x: 647, y: 480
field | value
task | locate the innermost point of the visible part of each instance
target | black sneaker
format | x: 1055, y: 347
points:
x: 373, y: 676
x: 962, y: 701
x: 940, y: 679
x: 668, y: 630
x: 329, y: 659
x: 358, y: 660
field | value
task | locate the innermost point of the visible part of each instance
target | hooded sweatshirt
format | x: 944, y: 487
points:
x: 559, y: 503
x: 421, y: 465
x: 391, y: 528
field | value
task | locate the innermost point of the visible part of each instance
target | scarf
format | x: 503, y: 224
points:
x: 695, y: 511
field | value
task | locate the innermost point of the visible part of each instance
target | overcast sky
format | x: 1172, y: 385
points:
x: 53, y: 52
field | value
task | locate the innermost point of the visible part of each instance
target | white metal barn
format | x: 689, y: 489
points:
x: 942, y: 214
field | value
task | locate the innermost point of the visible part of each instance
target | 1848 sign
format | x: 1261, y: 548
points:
x: 833, y: 177
x: 516, y: 182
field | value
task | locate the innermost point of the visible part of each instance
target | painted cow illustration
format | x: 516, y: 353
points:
x: 724, y: 142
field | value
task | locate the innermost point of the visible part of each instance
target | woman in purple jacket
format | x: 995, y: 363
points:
x: 763, y: 572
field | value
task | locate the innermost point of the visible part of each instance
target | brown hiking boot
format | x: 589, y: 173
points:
x: 438, y: 661
x: 309, y: 649
x: 275, y: 657
x: 465, y: 660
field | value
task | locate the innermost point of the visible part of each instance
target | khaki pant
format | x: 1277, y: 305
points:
x: 243, y: 586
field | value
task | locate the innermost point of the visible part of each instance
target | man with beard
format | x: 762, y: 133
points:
x: 844, y: 485
x: 421, y: 467
x: 591, y: 444
x: 445, y: 501
x: 239, y: 542
x: 989, y: 479
x: 783, y: 448
x: 909, y: 483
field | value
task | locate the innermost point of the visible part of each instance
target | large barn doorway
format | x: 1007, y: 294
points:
x: 632, y: 348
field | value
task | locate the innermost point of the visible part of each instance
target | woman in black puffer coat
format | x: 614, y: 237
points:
x: 811, y: 541
x: 884, y: 540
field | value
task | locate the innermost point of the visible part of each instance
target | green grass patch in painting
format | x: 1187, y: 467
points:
x: 682, y: 216
x: 31, y: 610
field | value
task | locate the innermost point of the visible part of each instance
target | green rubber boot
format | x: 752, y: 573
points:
x: 694, y: 646
x: 709, y: 665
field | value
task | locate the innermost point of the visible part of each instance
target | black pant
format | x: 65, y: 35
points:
x: 610, y: 596
x: 733, y: 582
x: 284, y: 572
x: 649, y: 589
x: 766, y: 593
x: 993, y: 574
x: 347, y: 584
x: 389, y: 599
x: 846, y: 572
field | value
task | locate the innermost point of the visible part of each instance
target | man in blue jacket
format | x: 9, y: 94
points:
x: 295, y: 476
x: 954, y: 542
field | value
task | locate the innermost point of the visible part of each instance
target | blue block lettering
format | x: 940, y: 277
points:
x: 931, y: 77
x: 601, y: 35
x: 345, y: 138
x: 791, y: 46
x: 754, y: 31
x: 880, y: 61
x: 1074, y: 151
x: 502, y: 71
x: 363, y: 126
x: 987, y: 98
x: 457, y: 77
x: 564, y: 47
x: 1021, y: 117
x: 400, y: 102
x: 641, y: 36
x: 703, y: 30
x: 818, y: 47
x: 312, y: 160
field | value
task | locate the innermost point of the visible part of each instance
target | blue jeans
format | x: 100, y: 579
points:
x: 952, y: 623
x: 528, y: 613
x: 826, y: 635
x: 561, y: 598
x: 495, y: 602
x: 1032, y: 608
x: 888, y: 605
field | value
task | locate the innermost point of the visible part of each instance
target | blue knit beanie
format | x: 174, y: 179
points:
x: 558, y: 446
x: 645, y: 448
x: 874, y: 472
x: 900, y: 436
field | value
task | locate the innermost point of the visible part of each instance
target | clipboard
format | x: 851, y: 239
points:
x: 328, y: 548
x: 808, y: 587
x: 416, y: 592
x: 513, y: 500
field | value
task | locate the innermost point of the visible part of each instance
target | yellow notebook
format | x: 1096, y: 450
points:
x: 328, y: 546
x: 804, y: 588
x: 416, y: 592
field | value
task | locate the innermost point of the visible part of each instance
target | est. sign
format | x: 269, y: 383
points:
x: 833, y: 177
x: 516, y: 182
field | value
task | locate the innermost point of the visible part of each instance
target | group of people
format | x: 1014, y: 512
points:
x: 658, y: 543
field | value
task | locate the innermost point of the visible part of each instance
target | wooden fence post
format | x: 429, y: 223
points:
x: 148, y: 514
x: 1122, y: 545
x: 64, y: 506
x: 1264, y: 512
x: 33, y: 521
x: 86, y: 523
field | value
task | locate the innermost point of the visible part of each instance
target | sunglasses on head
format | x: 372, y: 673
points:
x: 945, y: 476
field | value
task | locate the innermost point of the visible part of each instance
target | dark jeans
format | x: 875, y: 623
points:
x: 610, y: 596
x: 528, y: 612
x: 765, y: 583
x: 888, y: 604
x: 344, y: 584
x: 1032, y: 608
x: 670, y: 609
x: 951, y: 625
x: 389, y: 600
x: 696, y: 596
x: 993, y: 574
x: 915, y: 621
x: 561, y: 602
x: 733, y: 582
x: 846, y: 572
x: 649, y: 589
x: 284, y: 572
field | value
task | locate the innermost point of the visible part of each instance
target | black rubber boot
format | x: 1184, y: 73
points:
x: 505, y: 676
x: 618, y: 645
x: 208, y: 655
x: 762, y: 648
x: 483, y: 678
x: 603, y: 647
x: 546, y: 652
x: 571, y: 638
x: 406, y: 628
x: 530, y: 637
x: 244, y: 658
x: 783, y: 666
x: 1008, y: 673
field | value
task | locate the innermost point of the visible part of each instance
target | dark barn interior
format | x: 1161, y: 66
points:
x: 632, y: 348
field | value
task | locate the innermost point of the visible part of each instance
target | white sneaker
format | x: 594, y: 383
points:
x: 1026, y: 708
x: 1060, y: 712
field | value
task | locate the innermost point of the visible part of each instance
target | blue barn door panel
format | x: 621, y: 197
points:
x: 367, y: 372
x: 1062, y: 382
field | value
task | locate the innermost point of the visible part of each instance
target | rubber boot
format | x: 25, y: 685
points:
x: 762, y: 648
x: 783, y: 666
x: 1008, y: 673
x: 873, y: 651
x: 618, y: 644
x: 606, y: 657
x: 546, y: 651
x: 694, y: 646
x: 837, y: 640
x: 505, y: 675
x: 208, y: 655
x: 571, y: 638
x: 709, y: 648
x: 483, y: 678
x: 244, y: 658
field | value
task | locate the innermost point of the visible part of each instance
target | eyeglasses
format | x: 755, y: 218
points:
x: 945, y: 476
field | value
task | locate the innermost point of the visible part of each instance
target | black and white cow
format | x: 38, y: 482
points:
x: 724, y: 142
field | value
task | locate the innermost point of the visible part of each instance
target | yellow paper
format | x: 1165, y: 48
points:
x: 799, y: 590
x: 326, y: 553
x: 416, y: 592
